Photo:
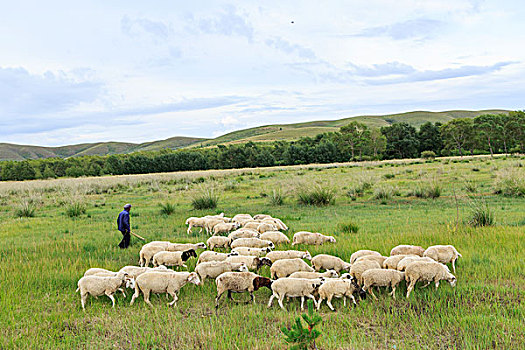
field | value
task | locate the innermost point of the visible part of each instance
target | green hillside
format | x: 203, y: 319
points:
x: 265, y: 133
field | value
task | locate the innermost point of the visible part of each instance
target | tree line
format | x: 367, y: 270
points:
x: 485, y: 134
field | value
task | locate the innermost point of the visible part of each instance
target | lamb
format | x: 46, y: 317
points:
x: 379, y: 258
x: 311, y: 238
x: 403, y: 263
x: 149, y: 250
x: 288, y: 254
x: 173, y: 258
x: 243, y: 233
x: 252, y: 243
x: 265, y: 227
x: 382, y: 278
x: 339, y: 288
x: 158, y: 282
x: 252, y: 262
x: 252, y: 251
x: 443, y: 254
x: 392, y: 261
x: 218, y: 242
x: 262, y: 217
x: 239, y: 282
x: 98, y: 285
x: 214, y: 256
x: 225, y: 228
x: 356, y: 255
x: 407, y: 250
x: 285, y: 267
x: 180, y: 247
x: 195, y: 222
x: 210, y: 223
x: 212, y: 269
x: 276, y: 237
x: 136, y: 271
x: 357, y: 269
x: 276, y: 222
x: 314, y: 275
x: 326, y: 262
x: 241, y: 218
x: 427, y: 271
x: 294, y: 287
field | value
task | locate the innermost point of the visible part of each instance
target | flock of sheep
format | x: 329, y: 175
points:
x: 252, y: 241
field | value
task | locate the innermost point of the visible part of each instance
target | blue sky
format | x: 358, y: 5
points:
x: 138, y: 71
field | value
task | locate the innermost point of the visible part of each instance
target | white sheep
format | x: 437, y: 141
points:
x: 241, y: 218
x: 260, y: 252
x: 313, y: 275
x: 403, y: 263
x: 379, y: 258
x: 288, y: 254
x: 265, y: 227
x: 149, y: 250
x: 361, y: 253
x: 276, y: 222
x: 218, y: 242
x: 251, y: 243
x: 225, y: 227
x: 195, y: 222
x: 406, y: 249
x: 159, y: 282
x: 429, y: 272
x: 243, y: 233
x: 392, y: 261
x: 311, y: 238
x: 98, y: 285
x: 339, y: 288
x: 253, y: 262
x: 275, y: 236
x: 262, y: 217
x: 285, y: 267
x: 294, y: 288
x: 96, y: 271
x: 210, y: 223
x: 136, y: 271
x: 239, y: 282
x: 180, y: 247
x: 382, y: 278
x: 329, y: 262
x: 443, y: 254
x: 173, y: 258
x: 214, y: 256
x: 357, y: 269
x: 212, y: 269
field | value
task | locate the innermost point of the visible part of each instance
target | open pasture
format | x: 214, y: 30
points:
x: 42, y: 257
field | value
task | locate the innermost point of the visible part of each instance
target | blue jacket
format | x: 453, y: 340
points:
x: 123, y: 221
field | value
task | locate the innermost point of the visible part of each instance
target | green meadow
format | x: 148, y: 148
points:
x: 44, y: 255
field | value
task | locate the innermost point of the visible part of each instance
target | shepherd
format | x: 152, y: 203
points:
x: 124, y: 226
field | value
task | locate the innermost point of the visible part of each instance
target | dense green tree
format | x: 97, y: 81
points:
x: 401, y: 141
x: 488, y: 129
x: 457, y: 133
x: 355, y: 136
x: 429, y: 137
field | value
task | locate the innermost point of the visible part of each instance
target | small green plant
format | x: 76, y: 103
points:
x: 481, y: 214
x: 276, y: 197
x: 167, y: 208
x: 389, y: 176
x: 470, y: 186
x: 349, y: 227
x: 318, y: 195
x: 205, y: 199
x: 26, y: 209
x: 303, y: 338
x: 384, y: 192
x: 75, y: 209
x: 428, y: 154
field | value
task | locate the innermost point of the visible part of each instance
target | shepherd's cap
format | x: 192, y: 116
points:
x: 127, y: 206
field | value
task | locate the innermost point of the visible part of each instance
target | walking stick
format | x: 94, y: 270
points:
x: 134, y: 234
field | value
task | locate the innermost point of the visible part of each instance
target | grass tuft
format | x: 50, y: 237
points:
x: 276, y: 197
x: 205, y: 199
x: 348, y: 227
x: 75, y: 209
x: 26, y: 209
x: 318, y: 195
x: 167, y: 208
x: 510, y: 183
x: 481, y: 214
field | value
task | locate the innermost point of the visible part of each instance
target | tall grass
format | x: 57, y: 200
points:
x: 348, y: 227
x: 75, y: 209
x: 427, y: 189
x: 205, y: 199
x: 317, y: 195
x: 510, y: 182
x: 167, y: 208
x: 480, y: 213
x: 384, y: 192
x: 276, y: 197
x: 26, y: 208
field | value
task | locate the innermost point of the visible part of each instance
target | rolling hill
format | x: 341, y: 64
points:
x: 265, y: 133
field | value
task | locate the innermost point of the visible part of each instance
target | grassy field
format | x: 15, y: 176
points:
x: 43, y: 257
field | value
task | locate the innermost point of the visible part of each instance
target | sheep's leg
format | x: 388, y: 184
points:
x: 122, y: 291
x: 329, y: 302
x: 319, y: 303
x: 280, y: 300
x: 344, y: 300
x: 83, y: 299
x: 136, y: 295
x: 393, y: 293
x: 371, y: 290
x: 426, y: 285
x: 146, y: 297
x: 219, y: 295
x: 200, y: 231
x: 271, y: 300
x: 313, y: 298
x: 302, y: 302
x: 253, y: 297
x: 174, y: 302
x: 353, y: 299
x: 454, y: 265
x: 410, y: 287
x: 110, y: 295
x: 437, y: 284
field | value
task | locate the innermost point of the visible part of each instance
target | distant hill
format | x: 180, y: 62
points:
x: 20, y: 152
x: 265, y: 133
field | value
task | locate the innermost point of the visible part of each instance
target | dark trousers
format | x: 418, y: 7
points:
x: 125, y: 240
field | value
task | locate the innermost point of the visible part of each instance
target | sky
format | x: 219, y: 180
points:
x: 136, y: 71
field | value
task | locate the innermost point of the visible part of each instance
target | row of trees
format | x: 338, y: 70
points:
x: 355, y: 141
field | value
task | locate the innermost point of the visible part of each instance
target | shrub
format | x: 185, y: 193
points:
x: 428, y: 154
x: 304, y: 338
x: 75, y: 209
x: 427, y: 190
x: 276, y: 197
x: 318, y: 195
x: 511, y: 183
x: 26, y: 209
x: 167, y: 208
x: 389, y: 176
x: 205, y: 199
x: 348, y: 227
x: 481, y: 214
x: 384, y: 192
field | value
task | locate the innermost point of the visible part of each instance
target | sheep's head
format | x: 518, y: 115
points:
x: 259, y: 282
x: 160, y: 267
x: 200, y: 245
x: 451, y: 279
x: 271, y: 245
x: 188, y: 254
x: 307, y: 255
x: 265, y: 261
x: 130, y: 283
x: 332, y: 273
x: 243, y: 268
x: 233, y: 253
x: 194, y: 278
x: 331, y: 239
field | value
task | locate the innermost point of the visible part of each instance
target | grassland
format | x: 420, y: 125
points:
x: 42, y: 258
